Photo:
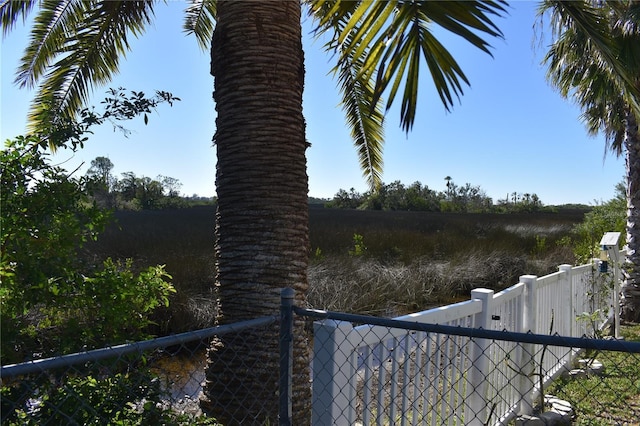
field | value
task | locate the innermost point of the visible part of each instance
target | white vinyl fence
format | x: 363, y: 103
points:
x: 372, y: 374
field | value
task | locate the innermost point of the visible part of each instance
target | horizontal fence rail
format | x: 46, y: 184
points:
x: 452, y: 362
x: 37, y: 366
x: 423, y: 371
x: 157, y: 381
x: 482, y: 361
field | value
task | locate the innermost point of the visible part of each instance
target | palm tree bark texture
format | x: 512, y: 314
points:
x: 630, y: 302
x: 262, y: 215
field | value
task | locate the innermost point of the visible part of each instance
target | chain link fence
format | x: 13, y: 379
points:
x: 397, y: 372
x: 157, y: 381
x: 408, y: 373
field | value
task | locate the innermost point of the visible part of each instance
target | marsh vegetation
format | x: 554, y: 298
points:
x: 370, y: 262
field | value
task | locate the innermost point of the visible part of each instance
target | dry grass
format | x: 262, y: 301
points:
x: 413, y: 260
x: 367, y: 285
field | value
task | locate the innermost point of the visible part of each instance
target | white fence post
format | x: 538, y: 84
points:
x: 567, y: 296
x: 332, y: 395
x: 527, y: 356
x: 475, y: 412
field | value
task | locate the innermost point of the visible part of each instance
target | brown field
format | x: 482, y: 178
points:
x: 411, y: 259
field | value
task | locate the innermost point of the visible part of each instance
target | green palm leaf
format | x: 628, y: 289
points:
x: 594, y: 61
x: 86, y: 41
x: 381, y: 45
x: 606, y: 34
x: 364, y: 118
x: 11, y: 11
x: 392, y: 38
x: 200, y: 21
x: 48, y: 36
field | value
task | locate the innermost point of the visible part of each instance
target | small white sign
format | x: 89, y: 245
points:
x: 610, y: 239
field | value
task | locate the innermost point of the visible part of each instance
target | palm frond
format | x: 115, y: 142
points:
x: 11, y: 11
x: 87, y: 40
x: 51, y: 28
x: 391, y: 39
x: 591, y: 46
x: 616, y: 52
x: 364, y: 118
x: 380, y: 45
x: 331, y: 15
x: 200, y: 21
x: 401, y: 63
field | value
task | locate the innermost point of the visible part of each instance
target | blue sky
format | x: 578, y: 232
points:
x: 510, y: 132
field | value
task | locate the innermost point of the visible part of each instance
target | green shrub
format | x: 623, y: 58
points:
x: 358, y: 246
x: 606, y: 217
x: 133, y: 398
x: 51, y: 301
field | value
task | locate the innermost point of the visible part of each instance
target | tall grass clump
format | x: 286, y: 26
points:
x: 417, y: 260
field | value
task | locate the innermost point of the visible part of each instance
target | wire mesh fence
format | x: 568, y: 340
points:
x: 393, y: 372
x: 158, y: 381
x: 388, y: 372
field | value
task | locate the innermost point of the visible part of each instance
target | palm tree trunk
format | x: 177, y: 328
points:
x: 262, y: 242
x: 630, y: 301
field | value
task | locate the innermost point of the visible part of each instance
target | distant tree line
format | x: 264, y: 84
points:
x: 132, y: 192
x: 465, y: 198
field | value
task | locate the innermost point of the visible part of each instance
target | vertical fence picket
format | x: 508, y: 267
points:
x: 527, y: 360
x: 476, y: 392
x: 406, y: 376
x: 393, y: 378
x: 566, y: 289
x: 422, y: 387
x: 382, y: 381
x: 438, y: 378
x: 367, y: 365
x: 448, y: 381
x: 435, y: 377
x: 460, y: 372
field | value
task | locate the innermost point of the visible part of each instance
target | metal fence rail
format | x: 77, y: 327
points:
x: 431, y: 374
x: 156, y: 381
x: 95, y: 355
x: 349, y: 359
x: 432, y: 382
x: 468, y: 363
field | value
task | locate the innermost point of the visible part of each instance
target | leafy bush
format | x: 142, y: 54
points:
x: 607, y: 217
x: 133, y: 398
x: 359, y: 248
x: 44, y: 221
x: 50, y: 300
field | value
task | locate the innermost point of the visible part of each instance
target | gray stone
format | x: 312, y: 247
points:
x: 559, y: 406
x: 526, y: 420
x: 593, y: 366
x: 552, y: 418
x: 558, y: 412
x: 577, y: 373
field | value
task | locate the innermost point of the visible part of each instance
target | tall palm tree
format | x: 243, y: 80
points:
x: 595, y: 60
x: 261, y: 182
x: 261, y: 220
x: 449, y: 185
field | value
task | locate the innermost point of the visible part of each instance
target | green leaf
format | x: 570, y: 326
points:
x: 391, y: 39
